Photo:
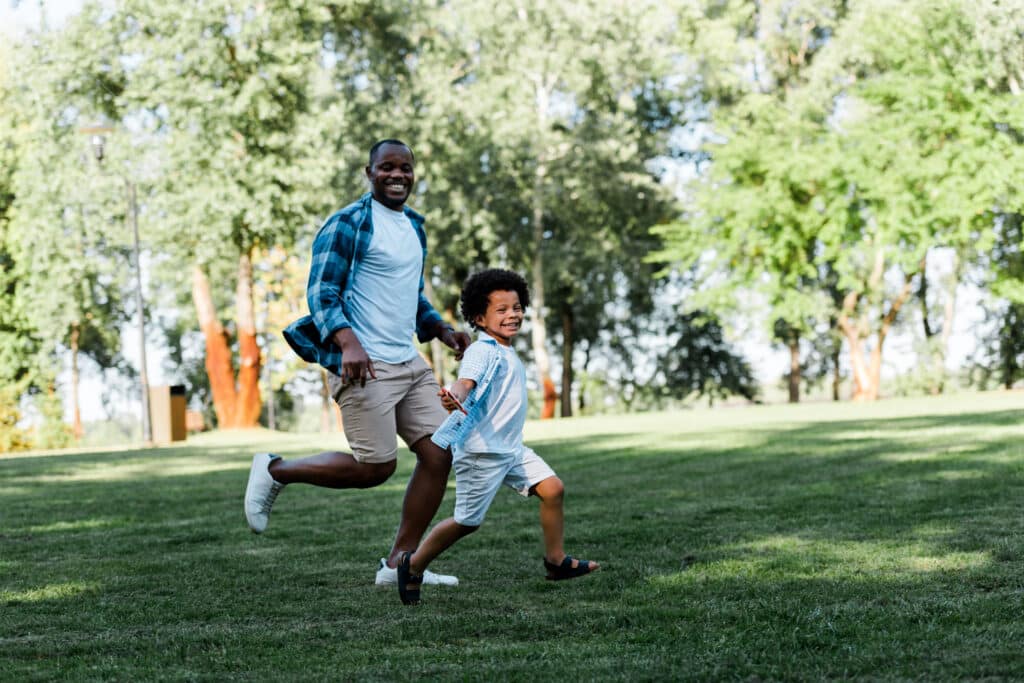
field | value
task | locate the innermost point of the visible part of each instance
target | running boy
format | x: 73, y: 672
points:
x: 486, y: 435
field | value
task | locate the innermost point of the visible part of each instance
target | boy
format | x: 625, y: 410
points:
x: 486, y: 435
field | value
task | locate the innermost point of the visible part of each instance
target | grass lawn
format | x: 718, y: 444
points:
x: 801, y: 543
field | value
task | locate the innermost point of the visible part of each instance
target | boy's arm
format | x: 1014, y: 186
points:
x: 459, y: 391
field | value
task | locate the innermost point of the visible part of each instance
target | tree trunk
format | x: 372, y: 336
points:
x: 837, y: 377
x: 325, y: 403
x: 948, y: 317
x: 861, y: 378
x: 794, y: 368
x: 539, y: 336
x: 582, y: 398
x: 247, y: 413
x: 437, y: 360
x: 218, y: 354
x: 567, y: 345
x: 867, y: 377
x: 76, y: 409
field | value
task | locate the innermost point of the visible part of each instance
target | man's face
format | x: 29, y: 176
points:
x: 391, y: 175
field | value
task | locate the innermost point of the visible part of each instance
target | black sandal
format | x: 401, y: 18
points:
x: 408, y: 583
x: 560, y: 572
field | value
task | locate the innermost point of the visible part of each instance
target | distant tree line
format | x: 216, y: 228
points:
x: 658, y: 170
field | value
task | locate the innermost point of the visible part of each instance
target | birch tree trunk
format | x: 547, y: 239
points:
x: 539, y: 331
x: 567, y: 345
x: 76, y: 407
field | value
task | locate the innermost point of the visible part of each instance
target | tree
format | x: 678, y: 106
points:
x: 66, y: 241
x: 926, y: 158
x: 757, y: 200
x: 557, y: 105
x: 236, y: 171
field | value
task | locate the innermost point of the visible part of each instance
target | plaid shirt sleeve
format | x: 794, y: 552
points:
x: 328, y: 274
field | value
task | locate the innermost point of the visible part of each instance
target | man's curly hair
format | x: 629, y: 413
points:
x: 478, y: 287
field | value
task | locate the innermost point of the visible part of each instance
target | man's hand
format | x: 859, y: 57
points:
x: 459, y: 341
x: 356, y: 366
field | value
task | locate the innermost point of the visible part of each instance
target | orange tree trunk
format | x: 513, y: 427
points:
x: 247, y: 413
x: 218, y: 354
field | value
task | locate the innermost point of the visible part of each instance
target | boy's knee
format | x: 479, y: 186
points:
x: 549, y: 489
x: 467, y: 529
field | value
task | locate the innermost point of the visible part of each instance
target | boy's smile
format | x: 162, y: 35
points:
x: 504, y: 316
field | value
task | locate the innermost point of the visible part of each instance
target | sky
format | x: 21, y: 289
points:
x: 20, y: 16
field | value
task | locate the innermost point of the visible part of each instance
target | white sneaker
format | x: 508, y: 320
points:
x: 388, y: 576
x: 260, y: 492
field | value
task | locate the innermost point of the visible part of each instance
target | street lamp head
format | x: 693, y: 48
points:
x: 97, y: 136
x: 97, y: 141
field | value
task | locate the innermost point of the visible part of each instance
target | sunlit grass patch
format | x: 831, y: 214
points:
x: 66, y: 525
x: 57, y: 591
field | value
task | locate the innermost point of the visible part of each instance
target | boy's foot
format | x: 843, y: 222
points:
x: 408, y: 583
x: 388, y: 576
x: 261, y: 492
x: 570, y: 568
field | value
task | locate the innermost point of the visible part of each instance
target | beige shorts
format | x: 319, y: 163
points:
x: 402, y: 401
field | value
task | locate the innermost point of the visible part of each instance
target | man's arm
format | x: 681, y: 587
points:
x: 356, y: 365
x: 328, y: 274
x: 459, y: 341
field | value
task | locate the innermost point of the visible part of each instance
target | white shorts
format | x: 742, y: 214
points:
x: 478, y: 476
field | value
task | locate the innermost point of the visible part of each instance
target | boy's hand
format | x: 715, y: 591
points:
x: 449, y: 402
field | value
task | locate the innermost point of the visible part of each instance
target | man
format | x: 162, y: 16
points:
x: 365, y: 295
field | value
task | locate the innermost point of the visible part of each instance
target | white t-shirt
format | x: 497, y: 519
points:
x: 500, y: 429
x: 383, y: 292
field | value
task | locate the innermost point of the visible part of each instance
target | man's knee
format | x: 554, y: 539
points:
x: 375, y: 473
x: 429, y: 454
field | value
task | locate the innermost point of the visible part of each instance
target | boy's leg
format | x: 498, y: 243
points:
x: 534, y: 477
x: 440, y: 538
x: 552, y: 517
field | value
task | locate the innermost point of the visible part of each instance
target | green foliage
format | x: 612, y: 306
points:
x: 12, y: 437
x: 51, y: 432
x: 849, y: 145
x: 701, y: 362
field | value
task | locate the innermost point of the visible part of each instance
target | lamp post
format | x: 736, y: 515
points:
x: 97, y: 139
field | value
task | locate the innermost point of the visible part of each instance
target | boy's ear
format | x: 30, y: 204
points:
x: 478, y: 321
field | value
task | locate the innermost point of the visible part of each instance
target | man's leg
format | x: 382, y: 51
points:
x: 423, y: 495
x: 332, y: 470
x: 270, y: 473
x: 369, y: 420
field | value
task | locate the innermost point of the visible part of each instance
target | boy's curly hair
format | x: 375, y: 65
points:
x: 478, y: 287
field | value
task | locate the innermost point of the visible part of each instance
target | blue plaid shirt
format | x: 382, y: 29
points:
x: 339, y: 246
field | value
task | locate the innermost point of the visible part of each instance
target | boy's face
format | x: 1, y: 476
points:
x: 504, y: 316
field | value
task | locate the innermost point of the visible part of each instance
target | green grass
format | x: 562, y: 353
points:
x: 801, y: 543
